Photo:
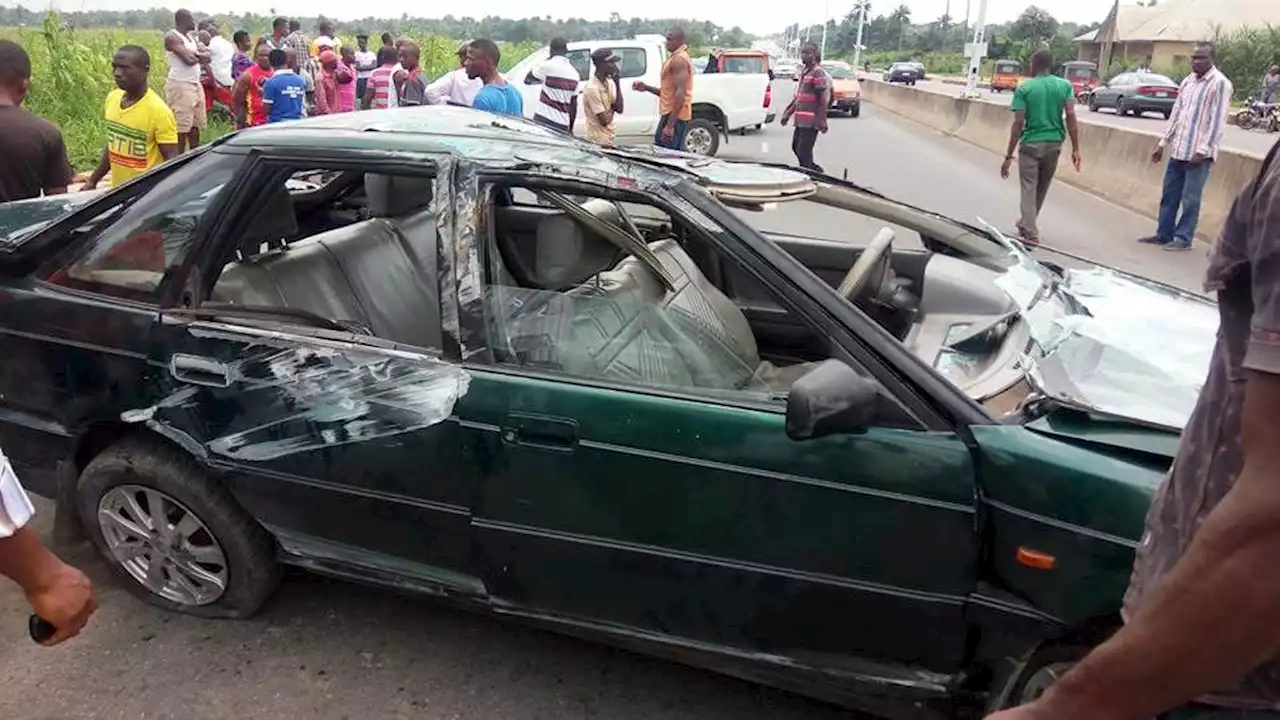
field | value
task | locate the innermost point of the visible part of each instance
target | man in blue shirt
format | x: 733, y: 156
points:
x: 285, y: 93
x: 497, y: 95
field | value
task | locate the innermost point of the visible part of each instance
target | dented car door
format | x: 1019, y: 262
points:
x: 338, y: 443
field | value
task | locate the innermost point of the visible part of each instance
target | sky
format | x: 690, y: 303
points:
x: 759, y: 17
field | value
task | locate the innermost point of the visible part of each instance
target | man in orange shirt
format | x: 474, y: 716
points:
x: 675, y: 97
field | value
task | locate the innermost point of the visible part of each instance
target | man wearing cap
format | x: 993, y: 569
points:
x: 558, y: 102
x: 455, y: 88
x: 602, y: 97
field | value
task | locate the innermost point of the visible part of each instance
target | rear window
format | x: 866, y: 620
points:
x: 839, y: 73
x: 1152, y: 79
x: 745, y: 64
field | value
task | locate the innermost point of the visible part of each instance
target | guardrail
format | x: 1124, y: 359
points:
x: 1117, y: 163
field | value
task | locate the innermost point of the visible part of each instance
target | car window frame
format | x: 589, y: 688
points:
x: 898, y: 415
x: 59, y: 258
x: 585, y: 75
x: 265, y: 166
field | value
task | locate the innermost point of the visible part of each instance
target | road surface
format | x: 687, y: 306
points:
x: 915, y: 164
x: 328, y: 649
x: 1251, y: 141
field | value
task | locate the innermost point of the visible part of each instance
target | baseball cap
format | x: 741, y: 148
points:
x: 603, y: 55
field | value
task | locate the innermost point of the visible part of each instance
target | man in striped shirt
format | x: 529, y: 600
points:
x: 809, y: 107
x: 558, y: 102
x: 1192, y: 138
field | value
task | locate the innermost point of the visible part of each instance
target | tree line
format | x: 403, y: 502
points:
x: 531, y: 29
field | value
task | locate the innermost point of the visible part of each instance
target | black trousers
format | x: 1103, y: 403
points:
x: 802, y: 145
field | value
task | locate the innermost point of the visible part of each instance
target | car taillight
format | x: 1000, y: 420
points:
x: 768, y: 94
x: 1153, y: 89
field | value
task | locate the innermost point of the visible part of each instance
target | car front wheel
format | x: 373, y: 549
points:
x: 175, y: 537
x: 1045, y: 667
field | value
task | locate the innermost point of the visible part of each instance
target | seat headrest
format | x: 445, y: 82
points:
x: 273, y: 223
x: 568, y: 254
x: 395, y: 195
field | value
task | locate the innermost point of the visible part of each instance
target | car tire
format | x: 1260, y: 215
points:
x: 1045, y: 666
x: 1166, y: 113
x: 707, y: 137
x: 145, y: 468
x: 1093, y: 103
x: 1121, y: 108
x: 856, y: 110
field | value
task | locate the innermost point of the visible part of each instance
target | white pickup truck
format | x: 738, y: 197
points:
x: 722, y: 103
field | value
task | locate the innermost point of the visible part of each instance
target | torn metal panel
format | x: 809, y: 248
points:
x: 463, y: 276
x: 1113, y: 343
x: 295, y: 396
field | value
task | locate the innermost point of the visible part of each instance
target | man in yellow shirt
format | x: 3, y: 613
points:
x: 141, y: 129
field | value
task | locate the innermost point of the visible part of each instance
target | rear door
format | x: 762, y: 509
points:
x: 334, y: 435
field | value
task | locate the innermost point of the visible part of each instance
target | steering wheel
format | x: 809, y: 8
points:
x: 871, y: 264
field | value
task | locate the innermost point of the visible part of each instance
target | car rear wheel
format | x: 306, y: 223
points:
x: 856, y: 110
x: 1166, y: 113
x: 702, y: 138
x: 175, y: 538
x: 1121, y: 107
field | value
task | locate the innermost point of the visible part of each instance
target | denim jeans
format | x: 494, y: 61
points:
x: 677, y: 139
x: 1183, y: 186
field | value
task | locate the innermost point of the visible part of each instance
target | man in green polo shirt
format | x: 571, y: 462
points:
x: 1039, y: 105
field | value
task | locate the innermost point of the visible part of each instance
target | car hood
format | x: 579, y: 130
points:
x: 1113, y: 345
x: 22, y: 218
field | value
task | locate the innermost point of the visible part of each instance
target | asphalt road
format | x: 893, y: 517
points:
x: 918, y: 165
x: 329, y: 649
x: 1253, y: 141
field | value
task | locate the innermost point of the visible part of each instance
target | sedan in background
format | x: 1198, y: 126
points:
x: 786, y: 69
x: 902, y: 72
x: 846, y: 92
x: 1136, y: 93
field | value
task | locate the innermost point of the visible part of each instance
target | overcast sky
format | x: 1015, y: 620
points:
x: 755, y: 16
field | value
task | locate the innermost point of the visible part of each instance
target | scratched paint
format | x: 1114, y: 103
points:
x: 321, y: 395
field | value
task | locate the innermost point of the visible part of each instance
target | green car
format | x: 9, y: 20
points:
x: 903, y: 469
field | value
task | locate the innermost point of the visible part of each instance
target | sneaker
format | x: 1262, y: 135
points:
x: 1153, y: 240
x: 1177, y: 246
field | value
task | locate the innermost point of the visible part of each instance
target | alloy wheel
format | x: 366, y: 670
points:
x: 162, y: 544
x: 698, y: 141
x: 1041, y: 680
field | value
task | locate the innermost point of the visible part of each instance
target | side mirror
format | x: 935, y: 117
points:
x: 829, y: 400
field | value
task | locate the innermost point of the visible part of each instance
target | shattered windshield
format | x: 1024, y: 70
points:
x: 1113, y: 343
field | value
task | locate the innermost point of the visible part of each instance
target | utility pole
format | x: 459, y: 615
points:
x: 977, y: 50
x: 862, y: 19
x: 826, y: 13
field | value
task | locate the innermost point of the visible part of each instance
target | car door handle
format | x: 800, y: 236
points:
x: 541, y: 431
x: 199, y: 370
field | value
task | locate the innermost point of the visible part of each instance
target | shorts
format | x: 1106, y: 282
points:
x: 186, y: 100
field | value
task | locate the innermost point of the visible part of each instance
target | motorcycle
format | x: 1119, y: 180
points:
x: 1259, y: 114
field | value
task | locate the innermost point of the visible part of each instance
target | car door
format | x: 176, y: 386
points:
x: 640, y: 108
x: 334, y: 437
x: 685, y: 511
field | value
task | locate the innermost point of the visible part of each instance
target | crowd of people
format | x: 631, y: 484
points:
x: 287, y: 75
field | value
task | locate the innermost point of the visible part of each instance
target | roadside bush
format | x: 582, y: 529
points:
x: 1245, y: 56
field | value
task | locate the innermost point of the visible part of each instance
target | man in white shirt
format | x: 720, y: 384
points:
x: 558, y: 102
x: 221, y: 51
x: 455, y: 88
x: 58, y: 593
x: 366, y: 63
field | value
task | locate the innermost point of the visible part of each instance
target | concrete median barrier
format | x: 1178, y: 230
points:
x: 1117, y: 161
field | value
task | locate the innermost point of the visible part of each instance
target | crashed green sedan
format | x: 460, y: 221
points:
x: 615, y: 393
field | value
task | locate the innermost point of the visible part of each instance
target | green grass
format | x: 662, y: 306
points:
x: 71, y: 76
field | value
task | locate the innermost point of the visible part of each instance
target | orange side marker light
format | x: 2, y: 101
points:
x: 1036, y: 559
